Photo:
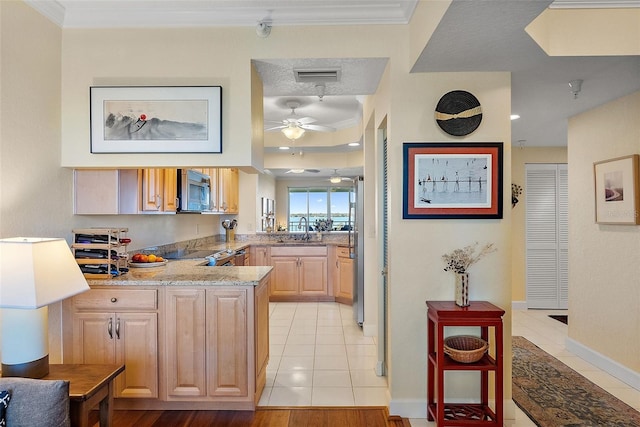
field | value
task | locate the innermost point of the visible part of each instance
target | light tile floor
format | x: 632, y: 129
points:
x: 550, y: 335
x: 320, y: 357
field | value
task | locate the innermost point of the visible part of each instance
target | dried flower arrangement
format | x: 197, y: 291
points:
x: 460, y: 260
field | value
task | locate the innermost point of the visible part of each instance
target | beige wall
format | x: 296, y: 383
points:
x: 223, y: 56
x: 604, y: 284
x: 35, y: 193
x: 519, y: 158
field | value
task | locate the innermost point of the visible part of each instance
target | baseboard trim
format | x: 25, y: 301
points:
x: 370, y: 330
x: 518, y: 305
x: 408, y: 408
x: 605, y: 363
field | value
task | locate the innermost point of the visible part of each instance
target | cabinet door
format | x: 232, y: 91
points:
x: 94, y: 338
x: 227, y: 334
x: 228, y: 190
x: 137, y: 347
x: 152, y: 191
x: 233, y: 190
x: 96, y: 191
x: 185, y: 338
x: 170, y: 190
x: 262, y: 332
x: 259, y: 255
x: 313, y: 275
x: 106, y: 191
x: 215, y: 185
x: 284, y: 276
x: 345, y: 278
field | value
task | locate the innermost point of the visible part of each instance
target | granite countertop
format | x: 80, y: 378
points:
x: 192, y: 272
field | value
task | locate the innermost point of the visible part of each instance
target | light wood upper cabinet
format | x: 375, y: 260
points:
x: 228, y: 191
x: 170, y: 190
x: 105, y: 191
x: 159, y: 190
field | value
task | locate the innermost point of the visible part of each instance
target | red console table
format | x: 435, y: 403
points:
x: 484, y: 315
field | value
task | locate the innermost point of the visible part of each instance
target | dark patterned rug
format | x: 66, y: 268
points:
x: 554, y: 395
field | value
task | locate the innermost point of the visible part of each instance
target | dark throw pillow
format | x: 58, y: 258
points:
x: 5, y: 397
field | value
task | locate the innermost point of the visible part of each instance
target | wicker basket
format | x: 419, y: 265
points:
x: 465, y: 348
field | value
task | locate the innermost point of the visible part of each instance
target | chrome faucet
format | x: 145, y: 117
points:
x: 306, y: 227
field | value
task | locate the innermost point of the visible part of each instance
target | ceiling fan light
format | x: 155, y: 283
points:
x: 335, y: 179
x: 293, y: 132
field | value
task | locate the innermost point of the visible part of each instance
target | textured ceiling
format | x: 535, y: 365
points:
x: 340, y: 106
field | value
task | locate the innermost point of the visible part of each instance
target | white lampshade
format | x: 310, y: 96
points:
x: 292, y: 131
x: 34, y: 272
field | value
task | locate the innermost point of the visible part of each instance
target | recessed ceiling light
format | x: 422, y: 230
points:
x: 283, y: 148
x: 515, y: 116
x: 354, y: 144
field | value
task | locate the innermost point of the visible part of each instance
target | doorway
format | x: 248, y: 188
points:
x: 547, y: 236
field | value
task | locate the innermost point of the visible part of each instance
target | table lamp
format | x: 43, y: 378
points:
x: 34, y: 272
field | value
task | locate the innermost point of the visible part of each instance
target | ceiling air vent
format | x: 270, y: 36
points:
x: 325, y: 75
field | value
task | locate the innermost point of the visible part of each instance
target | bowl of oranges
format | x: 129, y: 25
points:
x: 146, y: 261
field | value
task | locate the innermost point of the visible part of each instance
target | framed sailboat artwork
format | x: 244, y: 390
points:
x: 452, y: 180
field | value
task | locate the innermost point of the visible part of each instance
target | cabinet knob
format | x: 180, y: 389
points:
x: 114, y: 299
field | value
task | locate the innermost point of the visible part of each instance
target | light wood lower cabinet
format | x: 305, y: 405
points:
x: 184, y: 347
x: 226, y: 320
x: 259, y: 255
x: 344, y: 277
x: 217, y: 344
x: 299, y: 274
x: 104, y: 336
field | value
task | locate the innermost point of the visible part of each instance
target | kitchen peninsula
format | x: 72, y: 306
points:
x: 191, y: 336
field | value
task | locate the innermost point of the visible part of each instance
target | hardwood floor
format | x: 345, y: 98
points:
x: 262, y: 417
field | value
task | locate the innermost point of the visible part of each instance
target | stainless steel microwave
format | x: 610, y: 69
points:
x: 194, y: 190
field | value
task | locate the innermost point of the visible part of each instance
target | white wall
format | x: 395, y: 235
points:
x: 604, y: 273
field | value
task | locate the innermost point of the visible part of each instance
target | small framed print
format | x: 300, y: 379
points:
x: 165, y: 119
x: 617, y: 192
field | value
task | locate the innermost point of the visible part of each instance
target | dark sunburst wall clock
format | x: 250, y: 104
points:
x: 458, y: 113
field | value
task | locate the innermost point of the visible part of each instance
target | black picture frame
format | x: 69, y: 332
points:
x: 156, y: 119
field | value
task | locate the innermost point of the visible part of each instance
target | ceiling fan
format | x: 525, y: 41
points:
x: 295, y: 126
x: 336, y: 179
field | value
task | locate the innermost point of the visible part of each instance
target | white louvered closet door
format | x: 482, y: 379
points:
x: 546, y: 192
